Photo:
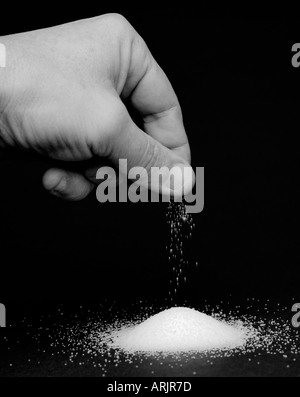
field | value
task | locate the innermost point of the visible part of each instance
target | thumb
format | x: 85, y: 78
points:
x: 141, y: 150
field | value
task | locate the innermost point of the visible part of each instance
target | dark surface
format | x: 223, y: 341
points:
x: 239, y: 95
x: 50, y: 344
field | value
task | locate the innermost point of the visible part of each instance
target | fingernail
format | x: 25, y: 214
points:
x: 61, y: 186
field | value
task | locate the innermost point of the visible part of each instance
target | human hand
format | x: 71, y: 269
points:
x: 61, y: 95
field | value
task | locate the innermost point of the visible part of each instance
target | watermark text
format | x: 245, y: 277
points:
x: 160, y: 184
x: 2, y: 316
x: 296, y: 316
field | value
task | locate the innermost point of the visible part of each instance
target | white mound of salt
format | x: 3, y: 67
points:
x: 179, y: 329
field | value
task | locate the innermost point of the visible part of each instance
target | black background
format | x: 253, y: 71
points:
x: 239, y: 92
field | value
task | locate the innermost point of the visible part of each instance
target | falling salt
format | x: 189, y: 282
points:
x: 181, y: 226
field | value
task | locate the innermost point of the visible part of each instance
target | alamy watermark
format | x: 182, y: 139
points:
x: 160, y: 184
x: 296, y: 316
x: 2, y: 56
x: 2, y: 316
x: 295, y: 58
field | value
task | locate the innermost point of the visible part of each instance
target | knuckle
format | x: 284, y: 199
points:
x: 109, y: 119
x: 114, y: 116
x: 117, y: 22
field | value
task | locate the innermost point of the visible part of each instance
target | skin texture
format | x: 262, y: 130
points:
x: 61, y: 95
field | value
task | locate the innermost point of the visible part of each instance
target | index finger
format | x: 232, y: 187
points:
x: 155, y: 99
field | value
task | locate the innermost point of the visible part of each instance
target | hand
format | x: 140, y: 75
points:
x: 61, y: 95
